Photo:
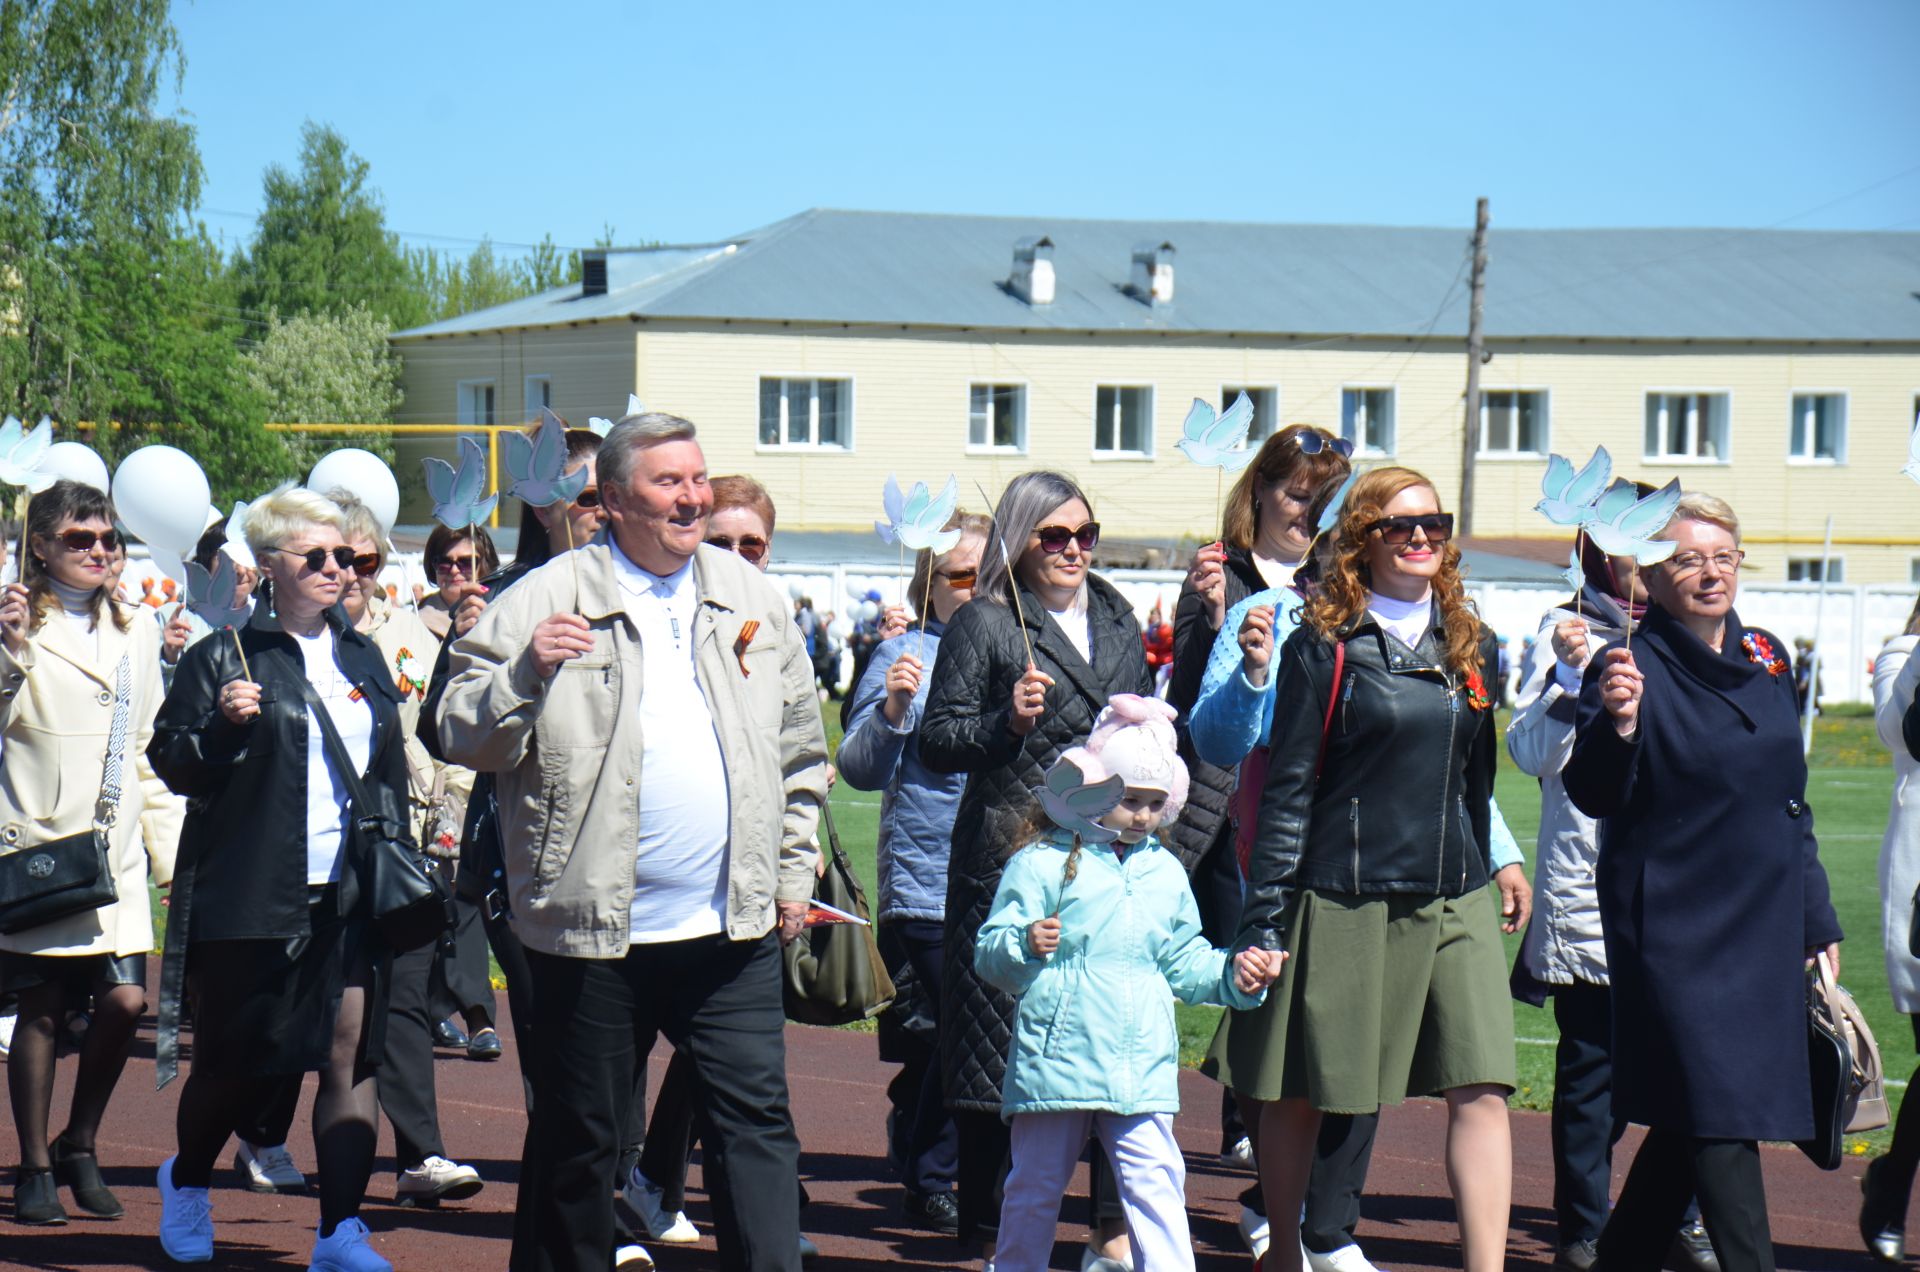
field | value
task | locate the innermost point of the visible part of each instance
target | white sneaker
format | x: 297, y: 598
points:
x: 1241, y: 1154
x: 1346, y: 1259
x: 268, y: 1168
x: 186, y: 1219
x: 436, y: 1180
x: 347, y: 1250
x: 632, y: 1257
x: 647, y: 1201
x: 1255, y: 1232
x: 1092, y: 1260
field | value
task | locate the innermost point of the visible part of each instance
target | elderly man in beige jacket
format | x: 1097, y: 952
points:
x: 647, y: 707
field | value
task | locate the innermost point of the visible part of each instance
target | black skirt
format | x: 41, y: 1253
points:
x: 78, y: 975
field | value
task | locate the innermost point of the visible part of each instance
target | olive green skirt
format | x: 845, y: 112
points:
x: 1383, y: 997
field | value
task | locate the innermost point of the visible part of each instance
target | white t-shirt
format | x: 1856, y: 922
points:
x: 352, y: 717
x: 1407, y: 620
x: 1075, y: 625
x: 680, y: 870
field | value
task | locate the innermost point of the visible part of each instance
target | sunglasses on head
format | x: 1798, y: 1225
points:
x: 83, y: 540
x: 463, y: 563
x: 316, y: 558
x: 750, y: 546
x: 959, y: 578
x: 589, y: 497
x: 1438, y: 527
x: 1054, y: 539
x: 1313, y: 441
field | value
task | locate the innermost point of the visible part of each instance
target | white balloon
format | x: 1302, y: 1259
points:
x: 868, y: 611
x: 363, y: 475
x: 840, y: 629
x: 161, y: 495
x: 796, y: 588
x: 858, y: 591
x: 75, y: 462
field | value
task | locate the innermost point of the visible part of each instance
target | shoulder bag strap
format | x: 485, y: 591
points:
x: 330, y: 738
x: 106, y: 810
x: 1333, y: 699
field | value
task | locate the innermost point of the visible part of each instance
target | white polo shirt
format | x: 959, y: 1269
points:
x: 680, y: 871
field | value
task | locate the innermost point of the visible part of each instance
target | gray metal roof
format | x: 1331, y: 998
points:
x: 925, y: 270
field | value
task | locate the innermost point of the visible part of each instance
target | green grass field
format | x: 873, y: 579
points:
x: 1852, y: 781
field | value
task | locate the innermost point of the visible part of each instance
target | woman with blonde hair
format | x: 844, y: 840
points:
x: 1370, y: 867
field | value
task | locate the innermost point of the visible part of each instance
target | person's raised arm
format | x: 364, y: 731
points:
x: 885, y: 712
x: 1599, y: 773
x: 497, y: 677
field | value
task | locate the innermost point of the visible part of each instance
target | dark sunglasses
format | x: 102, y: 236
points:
x: 367, y: 563
x: 962, y: 578
x: 1053, y: 539
x: 752, y: 547
x: 589, y: 497
x: 464, y: 564
x: 1397, y: 530
x: 83, y: 540
x: 1313, y: 441
x: 316, y: 558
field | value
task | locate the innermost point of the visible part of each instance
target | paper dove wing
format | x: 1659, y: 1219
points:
x: 634, y: 405
x: 1629, y: 532
x: 924, y: 524
x: 456, y: 493
x: 1570, y: 495
x: 236, y: 545
x: 538, y: 465
x: 1913, y: 450
x: 600, y: 425
x: 1575, y: 576
x: 1210, y: 441
x: 894, y: 504
x: 1619, y: 497
x: 20, y: 455
x: 1077, y: 806
x: 1330, y: 515
x: 211, y: 595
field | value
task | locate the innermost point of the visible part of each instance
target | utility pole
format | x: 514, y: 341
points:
x: 1471, y: 433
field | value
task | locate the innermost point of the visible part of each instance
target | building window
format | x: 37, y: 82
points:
x: 539, y: 394
x: 1819, y: 432
x: 1366, y: 420
x: 475, y: 402
x: 997, y: 417
x: 1513, y: 422
x: 1816, y: 570
x: 1266, y: 409
x: 1913, y: 570
x: 1123, y: 420
x: 809, y: 414
x: 1687, y: 426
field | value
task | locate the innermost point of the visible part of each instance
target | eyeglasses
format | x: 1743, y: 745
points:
x: 367, y: 563
x: 1724, y: 562
x: 1313, y: 441
x: 83, y: 540
x: 960, y: 578
x: 463, y: 563
x: 750, y: 546
x: 1053, y: 539
x: 589, y: 497
x: 1438, y: 527
x: 316, y: 558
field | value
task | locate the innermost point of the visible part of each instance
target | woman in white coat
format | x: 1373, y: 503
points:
x: 1889, y: 1179
x: 70, y: 657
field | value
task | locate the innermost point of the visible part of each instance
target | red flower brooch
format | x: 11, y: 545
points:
x: 1761, y: 650
x: 1477, y: 692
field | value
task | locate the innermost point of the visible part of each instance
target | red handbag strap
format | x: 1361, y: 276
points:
x: 1333, y: 699
x: 1245, y: 805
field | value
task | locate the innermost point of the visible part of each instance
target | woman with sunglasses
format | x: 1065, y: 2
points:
x: 79, y: 677
x: 267, y: 930
x: 1396, y: 980
x: 1019, y: 680
x: 459, y: 559
x: 881, y: 752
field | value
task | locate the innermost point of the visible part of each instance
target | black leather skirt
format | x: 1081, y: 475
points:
x: 78, y: 974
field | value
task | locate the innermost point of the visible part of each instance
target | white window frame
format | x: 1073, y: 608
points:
x: 527, y: 404
x: 1546, y: 423
x: 1272, y: 426
x: 1026, y: 394
x: 1836, y: 561
x: 1696, y: 461
x: 1846, y: 428
x: 813, y: 447
x: 460, y: 389
x: 1124, y: 456
x: 1360, y: 447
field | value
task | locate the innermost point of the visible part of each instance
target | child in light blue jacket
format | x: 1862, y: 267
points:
x: 1095, y: 930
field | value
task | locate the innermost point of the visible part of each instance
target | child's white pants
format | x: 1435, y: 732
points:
x: 1147, y: 1166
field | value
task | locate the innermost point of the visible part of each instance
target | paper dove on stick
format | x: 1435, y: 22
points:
x: 1211, y: 441
x: 602, y: 425
x: 212, y: 595
x: 456, y: 494
x: 538, y: 464
x: 918, y: 520
x: 1570, y: 495
x: 21, y: 452
x: 1628, y: 530
x: 1076, y: 805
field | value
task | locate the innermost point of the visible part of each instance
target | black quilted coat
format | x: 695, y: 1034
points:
x: 965, y: 730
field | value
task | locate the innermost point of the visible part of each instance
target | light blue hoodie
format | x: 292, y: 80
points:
x: 1095, y: 1026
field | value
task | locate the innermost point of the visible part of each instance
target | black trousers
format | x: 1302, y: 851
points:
x: 406, y: 1067
x: 1669, y: 1169
x: 460, y: 980
x: 719, y: 1002
x: 1341, y: 1156
x: 274, y: 1122
x: 512, y: 957
x: 1584, y: 1130
x: 1217, y: 891
x: 924, y: 1143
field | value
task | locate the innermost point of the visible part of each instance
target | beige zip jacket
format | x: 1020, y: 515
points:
x: 566, y: 750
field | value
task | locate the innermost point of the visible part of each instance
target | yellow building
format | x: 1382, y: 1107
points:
x: 1777, y: 369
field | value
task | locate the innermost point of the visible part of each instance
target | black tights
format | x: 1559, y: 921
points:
x: 345, y: 1113
x: 1903, y: 1155
x: 116, y: 1013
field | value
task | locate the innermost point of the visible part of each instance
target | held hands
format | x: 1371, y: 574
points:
x: 468, y: 609
x: 1621, y: 685
x: 1255, y: 969
x: 1516, y: 898
x: 1043, y: 937
x: 903, y: 682
x: 1208, y: 577
x: 894, y: 621
x: 559, y: 639
x: 240, y: 701
x: 15, y: 617
x: 1256, y: 644
x: 1030, y: 700
x: 1570, y: 643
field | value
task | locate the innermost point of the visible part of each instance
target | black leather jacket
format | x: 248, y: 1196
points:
x: 1401, y: 804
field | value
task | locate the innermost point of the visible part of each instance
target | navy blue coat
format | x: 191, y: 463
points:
x: 1711, y: 888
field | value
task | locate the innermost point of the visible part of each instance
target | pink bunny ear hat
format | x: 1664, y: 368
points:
x: 1134, y: 738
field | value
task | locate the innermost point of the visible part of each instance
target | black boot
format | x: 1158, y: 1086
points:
x: 80, y: 1171
x: 36, y: 1198
x: 1883, y: 1213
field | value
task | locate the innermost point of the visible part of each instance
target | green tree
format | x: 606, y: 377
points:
x: 327, y: 369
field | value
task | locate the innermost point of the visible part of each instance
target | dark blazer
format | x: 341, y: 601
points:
x: 965, y: 729
x: 1710, y: 883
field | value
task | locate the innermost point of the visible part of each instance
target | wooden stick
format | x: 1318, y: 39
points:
x: 1013, y: 581
x: 1579, y: 537
x: 1219, y: 475
x: 244, y: 669
x: 572, y: 559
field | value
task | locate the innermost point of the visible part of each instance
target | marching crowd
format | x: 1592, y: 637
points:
x: 1280, y: 803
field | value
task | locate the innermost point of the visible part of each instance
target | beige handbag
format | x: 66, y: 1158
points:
x: 1849, y: 1090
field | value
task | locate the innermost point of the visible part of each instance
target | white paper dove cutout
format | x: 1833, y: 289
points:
x: 1576, y: 578
x: 1330, y: 515
x: 603, y: 426
x: 20, y: 452
x: 1570, y: 495
x: 1076, y: 805
x: 537, y: 465
x: 1629, y: 531
x: 236, y: 546
x: 918, y: 520
x: 1913, y: 450
x: 1217, y: 441
x: 456, y: 494
x: 211, y: 596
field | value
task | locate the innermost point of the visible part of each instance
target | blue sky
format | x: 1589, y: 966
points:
x: 688, y: 122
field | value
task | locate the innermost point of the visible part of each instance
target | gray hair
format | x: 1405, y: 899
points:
x: 1697, y: 505
x: 1027, y: 498
x: 614, y: 465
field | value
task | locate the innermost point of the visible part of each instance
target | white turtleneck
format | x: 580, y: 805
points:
x: 1407, y: 620
x: 78, y: 605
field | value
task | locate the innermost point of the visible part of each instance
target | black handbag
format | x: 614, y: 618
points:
x: 42, y: 883
x: 834, y: 973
